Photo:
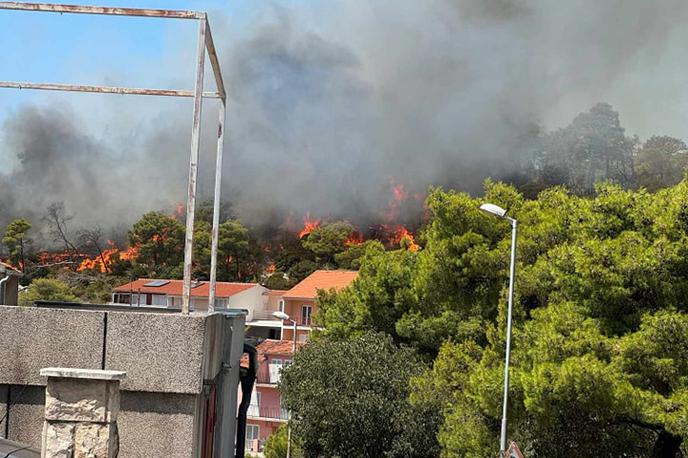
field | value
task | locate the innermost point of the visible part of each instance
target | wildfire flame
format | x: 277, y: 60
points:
x: 101, y: 262
x: 398, y: 235
x: 309, y: 225
x: 356, y: 238
x: 179, y: 211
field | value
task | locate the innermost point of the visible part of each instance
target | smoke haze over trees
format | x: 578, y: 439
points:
x: 330, y: 102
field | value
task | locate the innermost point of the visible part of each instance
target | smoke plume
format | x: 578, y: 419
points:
x: 329, y: 103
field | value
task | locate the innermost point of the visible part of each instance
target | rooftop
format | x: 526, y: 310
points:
x: 174, y: 287
x: 321, y: 279
x: 8, y: 269
x: 270, y: 347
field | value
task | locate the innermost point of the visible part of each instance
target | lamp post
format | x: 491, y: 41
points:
x: 283, y: 316
x: 501, y: 213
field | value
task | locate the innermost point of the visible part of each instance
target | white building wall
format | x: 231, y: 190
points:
x: 251, y: 299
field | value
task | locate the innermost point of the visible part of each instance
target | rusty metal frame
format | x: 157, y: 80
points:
x: 205, y: 45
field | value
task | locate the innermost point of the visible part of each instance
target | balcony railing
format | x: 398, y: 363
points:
x: 254, y: 445
x: 267, y: 412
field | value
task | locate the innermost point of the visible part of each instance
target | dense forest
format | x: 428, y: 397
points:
x: 593, y: 148
x: 599, y: 366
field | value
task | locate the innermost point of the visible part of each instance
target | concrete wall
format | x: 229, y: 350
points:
x: 161, y: 421
x: 159, y: 352
x: 32, y: 338
x: 170, y: 360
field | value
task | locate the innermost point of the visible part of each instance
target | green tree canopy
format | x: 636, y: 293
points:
x: 46, y: 289
x: 276, y: 445
x: 160, y: 241
x: 328, y: 240
x: 233, y: 248
x: 599, y: 319
x: 17, y: 242
x: 592, y: 148
x: 350, y: 258
x: 350, y: 398
x: 660, y: 162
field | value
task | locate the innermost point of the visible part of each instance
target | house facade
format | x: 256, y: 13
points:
x: 265, y: 413
x: 9, y: 284
x: 300, y: 301
x: 168, y: 294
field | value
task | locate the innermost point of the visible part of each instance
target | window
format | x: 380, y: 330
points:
x: 254, y: 405
x: 120, y: 298
x: 275, y: 368
x: 221, y: 303
x: 281, y: 306
x: 255, y: 398
x: 252, y: 434
x: 306, y: 315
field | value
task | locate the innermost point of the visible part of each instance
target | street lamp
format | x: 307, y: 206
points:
x: 501, y: 213
x: 284, y: 317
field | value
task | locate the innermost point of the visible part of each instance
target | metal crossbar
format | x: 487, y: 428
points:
x: 205, y: 45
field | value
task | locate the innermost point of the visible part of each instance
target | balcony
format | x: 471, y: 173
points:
x: 254, y: 445
x: 300, y: 321
x: 276, y: 413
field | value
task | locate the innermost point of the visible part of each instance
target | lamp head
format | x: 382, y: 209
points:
x: 280, y: 315
x: 493, y: 210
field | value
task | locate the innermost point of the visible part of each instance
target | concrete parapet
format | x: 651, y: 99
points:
x: 81, y: 408
x: 159, y: 352
x: 31, y: 339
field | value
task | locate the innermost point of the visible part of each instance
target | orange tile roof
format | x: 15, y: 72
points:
x: 321, y: 279
x: 174, y: 288
x: 11, y: 269
x: 270, y: 347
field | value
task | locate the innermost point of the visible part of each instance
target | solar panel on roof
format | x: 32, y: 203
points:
x: 155, y: 283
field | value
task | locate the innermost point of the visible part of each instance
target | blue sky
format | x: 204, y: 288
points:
x: 89, y: 49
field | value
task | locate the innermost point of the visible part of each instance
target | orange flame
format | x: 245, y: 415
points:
x: 130, y: 253
x: 400, y: 236
x: 356, y: 238
x: 101, y: 263
x: 309, y: 225
x: 179, y: 211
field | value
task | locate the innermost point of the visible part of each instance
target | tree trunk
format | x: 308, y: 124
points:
x: 667, y: 445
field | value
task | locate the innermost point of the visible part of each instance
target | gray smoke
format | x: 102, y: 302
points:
x: 329, y: 103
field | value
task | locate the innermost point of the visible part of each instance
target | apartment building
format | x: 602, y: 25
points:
x: 265, y: 413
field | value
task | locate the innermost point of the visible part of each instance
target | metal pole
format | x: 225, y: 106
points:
x: 104, y: 89
x: 512, y: 279
x: 216, y: 206
x: 293, y: 352
x: 193, y: 167
x: 293, y: 345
